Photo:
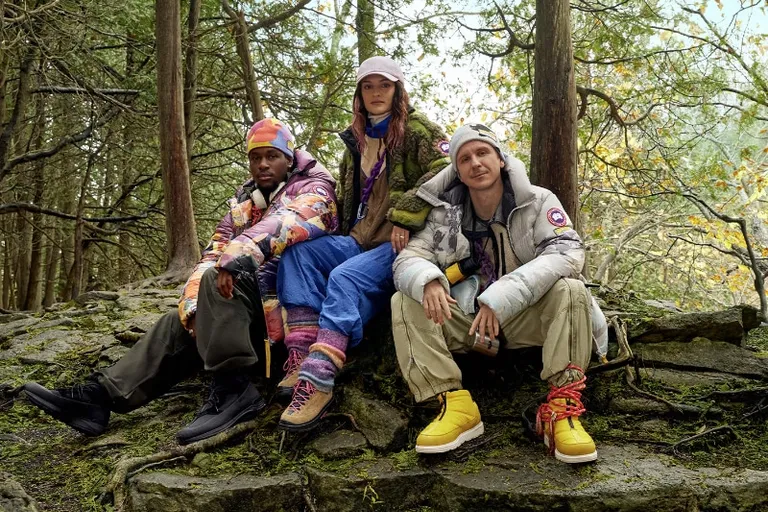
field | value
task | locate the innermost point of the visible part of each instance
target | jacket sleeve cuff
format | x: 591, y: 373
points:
x: 412, y: 221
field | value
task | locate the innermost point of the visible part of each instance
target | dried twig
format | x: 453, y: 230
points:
x: 155, y: 464
x: 346, y: 416
x: 309, y: 501
x: 723, y: 428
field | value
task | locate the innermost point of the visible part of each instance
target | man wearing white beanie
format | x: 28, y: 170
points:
x: 497, y: 264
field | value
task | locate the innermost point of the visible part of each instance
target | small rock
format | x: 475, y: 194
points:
x: 384, y: 426
x: 666, y: 305
x: 12, y: 317
x: 96, y: 295
x: 339, y: 444
x: 90, y: 309
x: 42, y: 347
x: 17, y: 327
x: 13, y: 498
x: 113, y: 354
x: 130, y: 303
x: 678, y: 378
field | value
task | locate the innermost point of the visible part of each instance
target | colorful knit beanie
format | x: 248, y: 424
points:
x: 271, y: 133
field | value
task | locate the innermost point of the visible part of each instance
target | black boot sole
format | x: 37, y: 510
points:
x: 41, y: 397
x: 304, y: 427
x: 246, y: 414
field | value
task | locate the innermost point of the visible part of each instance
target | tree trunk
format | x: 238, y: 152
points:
x: 33, y: 299
x: 183, y: 247
x: 366, y: 28
x: 7, y: 275
x: 75, y: 279
x: 19, y: 109
x: 23, y: 232
x: 124, y: 265
x: 190, y: 76
x: 51, y: 264
x: 66, y: 232
x: 242, y: 44
x: 554, y: 145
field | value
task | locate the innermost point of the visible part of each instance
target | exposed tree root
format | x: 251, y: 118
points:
x: 166, y: 279
x: 625, y: 355
x: 116, y: 487
x: 706, y: 433
x: 8, y: 396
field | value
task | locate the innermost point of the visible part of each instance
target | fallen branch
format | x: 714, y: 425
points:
x: 346, y: 416
x: 116, y: 486
x: 308, y: 500
x: 723, y: 428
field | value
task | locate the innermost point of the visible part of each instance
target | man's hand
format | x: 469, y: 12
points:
x: 436, y: 302
x: 399, y: 238
x: 225, y: 284
x: 191, y: 327
x: 486, y: 323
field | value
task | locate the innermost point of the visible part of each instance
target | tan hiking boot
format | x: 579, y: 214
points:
x: 306, y: 409
x: 291, y: 368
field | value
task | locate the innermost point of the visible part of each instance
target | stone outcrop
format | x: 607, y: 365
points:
x: 624, y: 478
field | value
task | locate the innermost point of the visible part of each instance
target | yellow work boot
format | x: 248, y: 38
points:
x: 458, y: 422
x: 558, y: 422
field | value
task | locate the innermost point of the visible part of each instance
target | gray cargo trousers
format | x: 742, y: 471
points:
x: 229, y: 334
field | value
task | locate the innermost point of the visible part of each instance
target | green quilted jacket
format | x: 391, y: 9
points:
x: 423, y: 154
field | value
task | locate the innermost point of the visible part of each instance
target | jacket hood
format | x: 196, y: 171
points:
x: 307, y: 166
x: 434, y: 190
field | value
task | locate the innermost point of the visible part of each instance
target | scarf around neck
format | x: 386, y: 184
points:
x: 377, y: 126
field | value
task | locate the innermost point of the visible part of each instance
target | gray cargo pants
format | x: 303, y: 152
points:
x: 229, y: 332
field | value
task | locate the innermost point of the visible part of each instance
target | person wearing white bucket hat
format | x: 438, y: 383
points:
x: 334, y: 286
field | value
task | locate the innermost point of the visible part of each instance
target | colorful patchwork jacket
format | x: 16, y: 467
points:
x: 424, y: 152
x: 250, y: 239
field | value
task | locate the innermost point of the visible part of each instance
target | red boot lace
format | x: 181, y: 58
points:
x: 573, y: 407
x: 293, y: 362
x: 301, y: 394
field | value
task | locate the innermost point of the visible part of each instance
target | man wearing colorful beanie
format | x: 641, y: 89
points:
x: 496, y: 265
x: 228, y: 314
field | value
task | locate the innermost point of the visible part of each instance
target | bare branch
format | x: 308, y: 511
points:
x: 26, y: 207
x: 274, y: 20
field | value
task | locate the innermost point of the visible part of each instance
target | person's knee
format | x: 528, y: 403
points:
x: 341, y: 277
x: 209, y: 277
x: 569, y: 289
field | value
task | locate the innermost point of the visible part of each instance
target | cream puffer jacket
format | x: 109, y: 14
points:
x: 545, y: 246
